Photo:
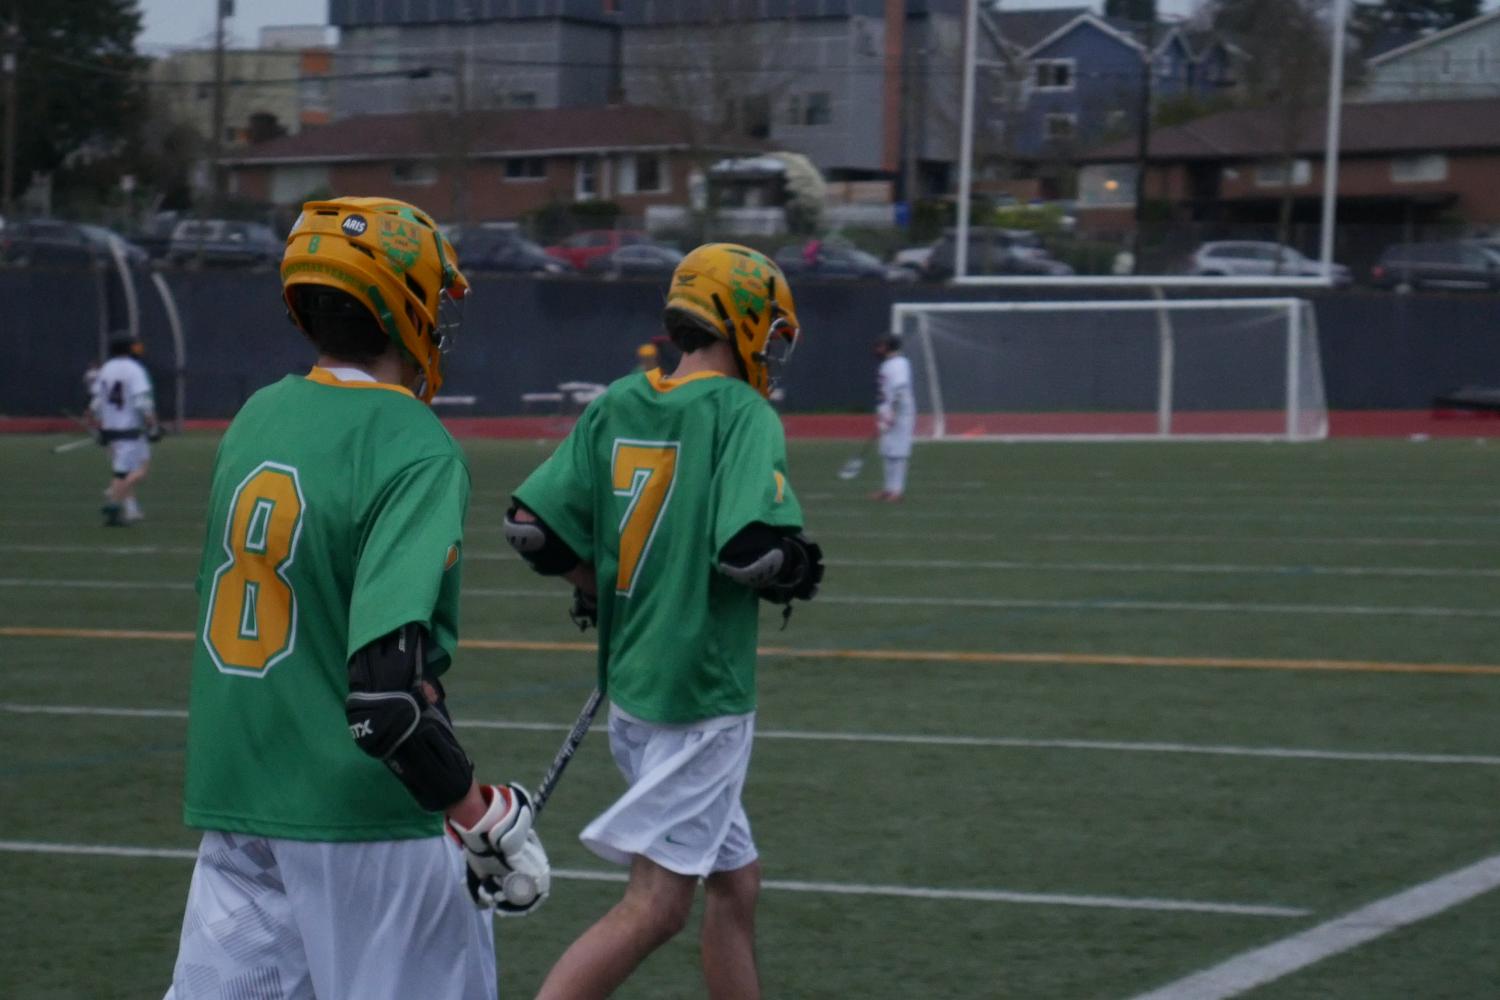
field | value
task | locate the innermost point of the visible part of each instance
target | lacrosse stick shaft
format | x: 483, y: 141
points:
x: 73, y: 445
x: 566, y: 751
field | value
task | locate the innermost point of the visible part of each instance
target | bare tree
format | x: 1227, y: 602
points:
x: 1286, y: 45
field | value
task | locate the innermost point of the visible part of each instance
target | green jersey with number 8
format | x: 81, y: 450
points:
x: 655, y: 478
x: 335, y: 516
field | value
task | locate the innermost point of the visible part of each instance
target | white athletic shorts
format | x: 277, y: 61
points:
x: 271, y: 919
x: 896, y: 442
x: 128, y: 455
x: 683, y: 807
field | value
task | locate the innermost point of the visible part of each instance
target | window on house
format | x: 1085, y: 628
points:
x: 1107, y: 185
x: 1422, y: 169
x: 521, y: 99
x: 1053, y: 74
x: 1116, y: 121
x: 525, y: 168
x: 794, y: 110
x: 819, y: 108
x: 1060, y: 128
x: 755, y: 116
x: 586, y: 179
x: 414, y: 172
x: 1276, y: 174
x: 643, y: 173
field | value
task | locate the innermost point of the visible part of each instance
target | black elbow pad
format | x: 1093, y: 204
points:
x: 392, y: 720
x: 538, y: 544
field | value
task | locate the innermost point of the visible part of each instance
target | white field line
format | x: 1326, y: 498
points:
x: 782, y: 885
x: 896, y: 739
x: 1256, y: 968
x: 1114, y: 538
x: 1226, y: 569
x: 1090, y: 495
x: 1022, y: 565
x: 1028, y: 513
x: 912, y: 600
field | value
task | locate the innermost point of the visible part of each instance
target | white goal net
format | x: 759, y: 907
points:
x: 1182, y: 369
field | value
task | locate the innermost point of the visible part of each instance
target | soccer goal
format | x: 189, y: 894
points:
x: 1183, y: 369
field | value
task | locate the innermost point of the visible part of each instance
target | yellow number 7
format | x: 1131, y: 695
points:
x: 643, y: 471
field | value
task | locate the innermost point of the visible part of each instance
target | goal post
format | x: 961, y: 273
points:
x: 1165, y: 370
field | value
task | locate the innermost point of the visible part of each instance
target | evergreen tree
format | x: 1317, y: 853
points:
x: 78, y: 83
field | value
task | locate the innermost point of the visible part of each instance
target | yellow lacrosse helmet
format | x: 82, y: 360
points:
x: 391, y: 258
x: 738, y: 295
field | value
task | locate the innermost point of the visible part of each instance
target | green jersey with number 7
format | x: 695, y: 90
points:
x: 656, y: 477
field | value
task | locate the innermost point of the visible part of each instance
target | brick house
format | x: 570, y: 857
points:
x: 502, y: 163
x: 1404, y: 164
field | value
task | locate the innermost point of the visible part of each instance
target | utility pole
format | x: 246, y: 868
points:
x: 222, y: 10
x: 1143, y: 140
x: 461, y: 136
x: 10, y: 66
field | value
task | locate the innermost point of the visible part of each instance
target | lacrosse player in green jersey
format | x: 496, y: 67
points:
x: 669, y: 508
x: 321, y: 761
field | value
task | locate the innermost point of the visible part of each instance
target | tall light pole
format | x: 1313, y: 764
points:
x: 222, y: 9
x: 10, y: 66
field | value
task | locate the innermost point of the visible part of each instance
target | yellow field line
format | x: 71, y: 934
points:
x: 898, y: 655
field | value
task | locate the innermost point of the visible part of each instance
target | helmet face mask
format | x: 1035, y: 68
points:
x: 390, y: 257
x: 740, y: 296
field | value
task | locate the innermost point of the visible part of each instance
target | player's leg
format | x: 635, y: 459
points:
x: 140, y: 464
x: 389, y: 920
x: 655, y: 908
x: 728, y: 936
x: 239, y: 935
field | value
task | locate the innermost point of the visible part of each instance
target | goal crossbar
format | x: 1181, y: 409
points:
x: 1300, y: 376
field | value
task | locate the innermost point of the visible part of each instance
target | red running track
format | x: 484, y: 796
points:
x: 1345, y: 423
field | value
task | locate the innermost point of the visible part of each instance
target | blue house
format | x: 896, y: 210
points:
x: 1082, y: 75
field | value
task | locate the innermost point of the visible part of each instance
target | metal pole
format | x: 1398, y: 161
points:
x: 179, y: 345
x: 1331, y: 147
x: 934, y: 385
x: 216, y: 147
x: 1143, y: 144
x: 966, y: 141
x: 10, y: 66
x: 1293, y: 369
x: 1166, y: 365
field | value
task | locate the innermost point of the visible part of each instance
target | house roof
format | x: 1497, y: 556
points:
x: 1435, y: 39
x: 1024, y: 28
x: 1389, y: 127
x: 527, y: 132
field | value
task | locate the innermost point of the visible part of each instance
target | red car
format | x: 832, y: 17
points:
x: 582, y: 247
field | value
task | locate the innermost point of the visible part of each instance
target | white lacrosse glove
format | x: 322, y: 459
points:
x: 507, y: 867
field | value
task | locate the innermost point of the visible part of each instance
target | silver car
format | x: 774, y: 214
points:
x: 1258, y: 259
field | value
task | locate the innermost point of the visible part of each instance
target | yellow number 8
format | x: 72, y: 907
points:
x: 252, y: 610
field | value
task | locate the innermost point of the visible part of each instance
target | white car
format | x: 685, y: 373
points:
x: 1258, y: 259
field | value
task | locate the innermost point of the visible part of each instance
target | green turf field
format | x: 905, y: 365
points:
x: 1007, y: 755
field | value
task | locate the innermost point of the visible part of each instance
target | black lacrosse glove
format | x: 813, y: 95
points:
x: 155, y: 433
x: 585, y: 610
x: 800, y: 574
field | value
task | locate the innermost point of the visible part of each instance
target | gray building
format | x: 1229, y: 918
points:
x: 1460, y: 63
x: 865, y: 88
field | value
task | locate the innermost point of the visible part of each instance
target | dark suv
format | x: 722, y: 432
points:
x: 994, y: 251
x: 1454, y: 264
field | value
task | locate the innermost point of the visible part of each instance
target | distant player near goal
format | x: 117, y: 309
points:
x: 670, y: 498
x: 321, y: 760
x: 123, y: 415
x: 895, y: 416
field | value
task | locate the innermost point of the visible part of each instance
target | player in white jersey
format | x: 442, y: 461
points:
x: 895, y: 416
x: 123, y: 413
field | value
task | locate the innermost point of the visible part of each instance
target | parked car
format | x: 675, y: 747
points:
x: 994, y: 251
x: 224, y: 241
x: 914, y: 258
x: 504, y: 250
x: 1453, y: 264
x: 580, y: 248
x: 637, y: 260
x: 155, y: 237
x: 1259, y: 259
x: 99, y: 239
x: 52, y: 242
x: 835, y: 261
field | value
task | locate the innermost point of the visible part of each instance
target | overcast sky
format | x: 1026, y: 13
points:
x: 191, y: 22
